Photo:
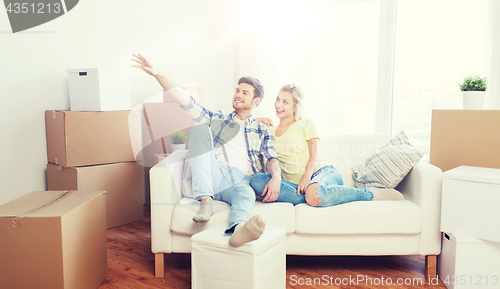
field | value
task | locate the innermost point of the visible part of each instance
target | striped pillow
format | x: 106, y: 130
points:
x: 389, y: 165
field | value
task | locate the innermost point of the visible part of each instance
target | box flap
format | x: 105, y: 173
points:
x: 46, y: 203
x: 474, y: 174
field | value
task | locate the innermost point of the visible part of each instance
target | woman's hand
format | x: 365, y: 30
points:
x: 144, y: 64
x: 302, y: 186
x: 265, y: 120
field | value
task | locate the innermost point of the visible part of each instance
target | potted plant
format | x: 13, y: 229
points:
x: 473, y: 90
x: 177, y: 141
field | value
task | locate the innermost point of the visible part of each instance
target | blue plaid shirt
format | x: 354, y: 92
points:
x: 259, y: 139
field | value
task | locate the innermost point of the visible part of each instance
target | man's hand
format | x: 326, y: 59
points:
x: 272, y: 190
x: 265, y: 120
x: 182, y: 98
x: 144, y: 64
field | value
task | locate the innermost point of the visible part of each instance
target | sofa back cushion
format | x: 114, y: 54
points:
x: 346, y: 151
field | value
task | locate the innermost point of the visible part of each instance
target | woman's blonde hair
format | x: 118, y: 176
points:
x: 298, y: 97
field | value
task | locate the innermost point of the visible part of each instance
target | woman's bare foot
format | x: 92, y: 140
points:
x: 380, y: 194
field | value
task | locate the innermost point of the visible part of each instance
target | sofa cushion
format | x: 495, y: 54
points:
x: 389, y: 165
x: 182, y: 218
x: 279, y: 214
x: 370, y: 217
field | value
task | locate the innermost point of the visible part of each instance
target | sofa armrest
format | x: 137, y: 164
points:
x: 165, y: 178
x: 423, y: 187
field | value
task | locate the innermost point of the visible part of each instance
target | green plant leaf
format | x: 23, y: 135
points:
x: 473, y: 83
x: 177, y: 137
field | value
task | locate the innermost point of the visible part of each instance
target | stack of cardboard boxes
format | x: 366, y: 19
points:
x: 470, y: 255
x: 57, y: 239
x: 464, y: 144
x: 89, y: 147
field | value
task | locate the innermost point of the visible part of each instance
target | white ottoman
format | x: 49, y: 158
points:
x: 259, y: 264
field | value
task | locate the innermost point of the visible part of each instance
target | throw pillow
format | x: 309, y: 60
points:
x: 389, y: 165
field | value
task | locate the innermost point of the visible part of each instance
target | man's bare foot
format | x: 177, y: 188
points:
x: 249, y: 231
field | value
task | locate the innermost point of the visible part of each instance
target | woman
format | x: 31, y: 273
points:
x: 307, y: 178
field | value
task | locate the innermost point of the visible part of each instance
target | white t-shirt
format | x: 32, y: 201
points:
x: 236, y: 150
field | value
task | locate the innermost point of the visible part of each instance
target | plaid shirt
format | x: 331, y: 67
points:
x: 259, y: 139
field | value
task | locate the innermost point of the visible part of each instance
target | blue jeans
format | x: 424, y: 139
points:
x: 220, y: 181
x: 331, y: 189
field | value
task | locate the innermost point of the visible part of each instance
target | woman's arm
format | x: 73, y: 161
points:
x: 312, y: 164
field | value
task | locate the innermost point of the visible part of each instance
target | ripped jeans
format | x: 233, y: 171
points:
x: 331, y: 189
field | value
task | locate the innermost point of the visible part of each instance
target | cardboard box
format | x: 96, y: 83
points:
x: 465, y: 137
x: 161, y: 120
x: 87, y: 138
x: 470, y: 200
x: 467, y: 262
x: 60, y: 245
x: 121, y: 181
x: 97, y: 89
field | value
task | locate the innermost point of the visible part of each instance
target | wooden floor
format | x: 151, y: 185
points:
x: 131, y: 265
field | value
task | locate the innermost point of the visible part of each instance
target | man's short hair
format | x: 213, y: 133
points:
x: 259, y: 89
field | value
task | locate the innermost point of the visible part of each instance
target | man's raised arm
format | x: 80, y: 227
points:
x: 177, y: 93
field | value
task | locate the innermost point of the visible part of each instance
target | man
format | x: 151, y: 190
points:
x: 225, y: 154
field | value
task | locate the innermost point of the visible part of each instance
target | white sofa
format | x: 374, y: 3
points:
x: 408, y: 227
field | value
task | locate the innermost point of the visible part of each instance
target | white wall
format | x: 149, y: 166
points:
x: 191, y: 41
x: 493, y: 91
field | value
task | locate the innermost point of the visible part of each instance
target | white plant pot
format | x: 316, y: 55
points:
x: 473, y: 99
x: 174, y: 147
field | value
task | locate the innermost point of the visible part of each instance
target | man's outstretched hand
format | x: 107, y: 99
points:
x: 144, y: 64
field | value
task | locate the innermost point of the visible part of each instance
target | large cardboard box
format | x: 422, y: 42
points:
x: 467, y: 262
x: 53, y: 240
x: 470, y: 200
x: 121, y: 181
x: 76, y: 138
x: 158, y: 122
x: 465, y: 137
x: 98, y: 89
